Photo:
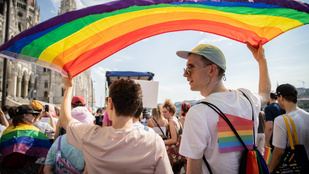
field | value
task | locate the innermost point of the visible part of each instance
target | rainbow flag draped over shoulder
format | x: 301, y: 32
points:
x: 25, y: 139
x: 228, y: 142
x: 79, y: 39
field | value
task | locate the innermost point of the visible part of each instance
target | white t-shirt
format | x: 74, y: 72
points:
x: 141, y: 126
x: 200, y: 136
x: 47, y: 120
x: 301, y: 121
x: 113, y: 151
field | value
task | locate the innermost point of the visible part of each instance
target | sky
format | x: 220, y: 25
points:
x: 287, y: 57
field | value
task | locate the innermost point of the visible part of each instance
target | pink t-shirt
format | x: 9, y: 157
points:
x: 106, y: 119
x: 113, y: 151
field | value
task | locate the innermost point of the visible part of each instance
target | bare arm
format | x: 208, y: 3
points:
x: 52, y: 124
x: 173, y: 139
x: 57, y: 133
x: 268, y: 132
x: 3, y: 120
x: 65, y: 112
x: 48, y: 169
x: 264, y: 81
x: 194, y: 166
x: 276, y: 157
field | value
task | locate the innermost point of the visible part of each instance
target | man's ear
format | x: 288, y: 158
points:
x: 213, y: 70
x: 111, y: 104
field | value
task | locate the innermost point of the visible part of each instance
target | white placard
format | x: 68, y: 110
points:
x: 150, y: 93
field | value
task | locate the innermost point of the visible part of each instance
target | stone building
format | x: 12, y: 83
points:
x: 26, y: 82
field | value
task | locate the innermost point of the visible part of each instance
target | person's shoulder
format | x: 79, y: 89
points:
x: 279, y: 119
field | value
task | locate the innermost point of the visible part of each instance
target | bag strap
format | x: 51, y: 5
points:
x: 289, y: 130
x: 252, y: 114
x: 59, y: 144
x: 159, y: 126
x: 294, y: 130
x: 208, y: 166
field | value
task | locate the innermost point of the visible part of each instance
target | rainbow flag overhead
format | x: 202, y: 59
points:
x: 228, y: 142
x: 79, y: 39
x: 25, y: 139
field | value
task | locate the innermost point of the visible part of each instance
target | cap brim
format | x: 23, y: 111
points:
x: 183, y: 54
x: 35, y: 112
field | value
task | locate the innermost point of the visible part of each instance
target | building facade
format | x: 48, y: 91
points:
x: 27, y: 82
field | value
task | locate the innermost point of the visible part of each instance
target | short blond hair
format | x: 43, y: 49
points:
x: 157, y: 112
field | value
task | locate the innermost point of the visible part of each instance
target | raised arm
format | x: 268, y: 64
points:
x: 65, y: 112
x: 3, y: 120
x: 264, y: 81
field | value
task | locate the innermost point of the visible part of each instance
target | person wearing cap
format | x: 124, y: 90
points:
x: 46, y: 128
x: 272, y: 110
x: 77, y: 101
x: 22, y: 143
x: 69, y: 152
x: 120, y: 148
x: 205, y: 72
x: 287, y: 100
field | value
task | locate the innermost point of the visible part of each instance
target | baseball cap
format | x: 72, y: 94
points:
x: 210, y: 52
x: 286, y: 90
x: 78, y: 100
x: 36, y: 105
x: 25, y: 109
x: 82, y: 114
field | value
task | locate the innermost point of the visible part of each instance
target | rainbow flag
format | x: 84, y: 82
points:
x: 228, y: 142
x: 77, y: 40
x: 267, y: 155
x: 25, y: 139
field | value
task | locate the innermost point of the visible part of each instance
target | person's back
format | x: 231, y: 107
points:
x: 158, y: 123
x: 204, y: 119
x: 120, y: 151
x: 301, y: 121
x: 120, y: 148
x: 287, y: 100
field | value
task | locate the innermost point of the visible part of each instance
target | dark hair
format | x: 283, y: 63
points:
x: 17, y: 118
x: 126, y: 95
x: 208, y: 62
x: 6, y: 108
x: 99, y: 111
x: 74, y: 106
x: 138, y: 111
x: 273, y: 96
x: 169, y: 106
x: 288, y: 92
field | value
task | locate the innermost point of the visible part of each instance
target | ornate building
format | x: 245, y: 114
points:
x: 26, y: 82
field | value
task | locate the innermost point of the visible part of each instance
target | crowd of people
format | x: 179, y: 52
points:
x: 123, y: 138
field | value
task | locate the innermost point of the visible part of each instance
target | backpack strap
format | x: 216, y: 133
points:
x: 252, y: 115
x: 223, y: 116
x: 159, y: 126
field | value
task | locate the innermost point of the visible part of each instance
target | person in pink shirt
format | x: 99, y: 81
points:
x: 106, y: 120
x: 120, y: 148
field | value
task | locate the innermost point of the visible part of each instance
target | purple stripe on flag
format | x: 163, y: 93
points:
x: 24, y: 149
x: 234, y: 148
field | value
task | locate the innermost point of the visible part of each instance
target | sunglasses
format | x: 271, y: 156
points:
x: 188, y: 70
